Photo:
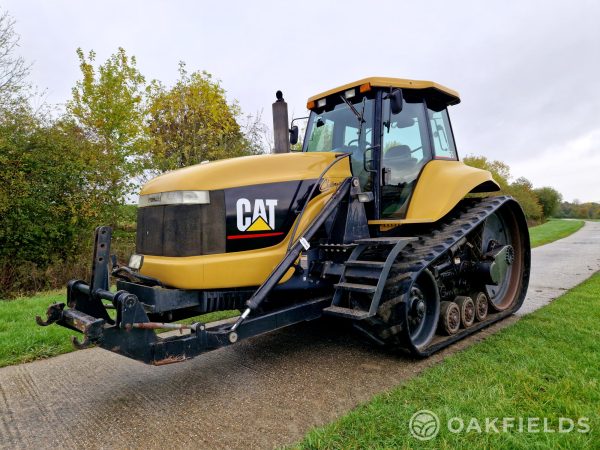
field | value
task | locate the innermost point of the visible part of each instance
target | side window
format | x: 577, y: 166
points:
x: 405, y: 150
x: 407, y: 134
x: 405, y: 142
x: 443, y: 142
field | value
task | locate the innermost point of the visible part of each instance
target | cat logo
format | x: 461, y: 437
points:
x: 328, y: 184
x: 257, y: 217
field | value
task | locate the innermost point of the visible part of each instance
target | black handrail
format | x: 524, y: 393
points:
x: 312, y: 191
x: 292, y: 254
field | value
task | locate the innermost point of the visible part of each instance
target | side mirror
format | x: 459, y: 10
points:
x: 396, y: 101
x: 294, y: 135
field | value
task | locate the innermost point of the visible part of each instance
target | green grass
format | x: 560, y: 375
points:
x: 545, y: 365
x: 22, y: 340
x: 553, y: 230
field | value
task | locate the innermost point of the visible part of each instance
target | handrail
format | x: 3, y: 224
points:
x: 318, y: 183
x: 292, y: 254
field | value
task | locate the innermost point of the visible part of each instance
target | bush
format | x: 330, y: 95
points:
x: 47, y: 205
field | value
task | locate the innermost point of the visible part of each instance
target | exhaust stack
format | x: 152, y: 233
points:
x: 280, y: 125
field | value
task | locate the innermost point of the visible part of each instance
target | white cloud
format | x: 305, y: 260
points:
x: 572, y: 168
x: 527, y: 71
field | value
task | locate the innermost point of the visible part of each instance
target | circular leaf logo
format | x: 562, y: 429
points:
x: 424, y: 425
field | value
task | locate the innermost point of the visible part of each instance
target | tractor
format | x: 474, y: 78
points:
x: 371, y: 220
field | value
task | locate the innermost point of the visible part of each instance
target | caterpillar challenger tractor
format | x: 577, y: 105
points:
x: 375, y: 222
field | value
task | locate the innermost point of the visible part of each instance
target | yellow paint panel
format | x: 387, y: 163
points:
x: 440, y: 187
x: 393, y: 82
x: 227, y: 270
x: 248, y: 170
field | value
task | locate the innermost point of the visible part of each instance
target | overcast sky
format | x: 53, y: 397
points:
x: 528, y: 72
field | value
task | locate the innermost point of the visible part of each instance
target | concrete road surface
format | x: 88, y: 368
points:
x: 261, y: 393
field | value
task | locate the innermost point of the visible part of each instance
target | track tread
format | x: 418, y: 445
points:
x: 419, y: 255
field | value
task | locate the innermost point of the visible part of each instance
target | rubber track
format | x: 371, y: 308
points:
x: 421, y: 254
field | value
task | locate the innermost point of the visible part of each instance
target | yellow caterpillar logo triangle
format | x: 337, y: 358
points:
x: 259, y: 225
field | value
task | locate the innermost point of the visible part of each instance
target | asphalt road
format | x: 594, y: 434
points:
x: 262, y: 393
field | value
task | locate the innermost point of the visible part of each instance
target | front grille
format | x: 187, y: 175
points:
x: 182, y: 230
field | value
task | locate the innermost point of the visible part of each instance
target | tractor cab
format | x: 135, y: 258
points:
x: 391, y: 127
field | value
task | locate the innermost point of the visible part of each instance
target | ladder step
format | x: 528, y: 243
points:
x: 346, y: 313
x: 361, y: 272
x: 354, y: 287
x: 365, y: 264
x: 385, y: 240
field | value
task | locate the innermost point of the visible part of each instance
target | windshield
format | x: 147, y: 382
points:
x: 340, y: 130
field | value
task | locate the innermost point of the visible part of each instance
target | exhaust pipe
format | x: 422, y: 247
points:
x: 280, y: 125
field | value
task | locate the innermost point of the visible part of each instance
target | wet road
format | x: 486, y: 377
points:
x: 261, y: 393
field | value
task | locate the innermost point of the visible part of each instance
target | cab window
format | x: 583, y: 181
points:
x: 338, y: 129
x: 443, y: 141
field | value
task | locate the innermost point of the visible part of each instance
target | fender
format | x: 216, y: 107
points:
x: 441, y: 185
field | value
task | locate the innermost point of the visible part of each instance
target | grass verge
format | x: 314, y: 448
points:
x: 22, y: 340
x: 547, y: 365
x: 553, y: 230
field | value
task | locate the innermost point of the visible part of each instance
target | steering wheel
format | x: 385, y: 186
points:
x: 347, y: 148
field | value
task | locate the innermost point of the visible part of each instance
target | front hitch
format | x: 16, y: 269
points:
x: 53, y: 314
x: 86, y: 313
x: 132, y: 332
x: 91, y: 327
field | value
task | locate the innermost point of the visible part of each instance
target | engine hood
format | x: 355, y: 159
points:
x: 247, y: 171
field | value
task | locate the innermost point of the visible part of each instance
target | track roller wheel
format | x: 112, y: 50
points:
x: 481, y: 306
x: 449, y: 318
x: 467, y: 310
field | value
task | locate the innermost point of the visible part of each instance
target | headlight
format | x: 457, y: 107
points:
x: 175, y: 198
x: 135, y: 261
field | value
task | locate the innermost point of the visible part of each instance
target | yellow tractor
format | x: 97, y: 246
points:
x: 375, y: 221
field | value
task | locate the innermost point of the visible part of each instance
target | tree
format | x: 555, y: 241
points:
x: 521, y: 189
x: 499, y: 170
x: 13, y: 69
x: 193, y: 122
x: 550, y: 199
x: 108, y: 105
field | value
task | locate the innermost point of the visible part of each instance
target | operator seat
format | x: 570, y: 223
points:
x: 403, y: 166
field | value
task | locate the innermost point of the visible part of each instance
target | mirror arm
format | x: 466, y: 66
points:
x: 298, y: 118
x: 388, y: 124
x: 294, y: 131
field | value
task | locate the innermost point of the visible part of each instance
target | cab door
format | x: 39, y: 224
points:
x: 405, y: 150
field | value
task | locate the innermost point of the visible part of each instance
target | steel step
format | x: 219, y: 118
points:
x: 362, y: 272
x: 346, y: 313
x: 365, y: 264
x: 385, y: 240
x: 354, y: 287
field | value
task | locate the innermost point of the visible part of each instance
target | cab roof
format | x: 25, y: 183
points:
x: 446, y: 95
